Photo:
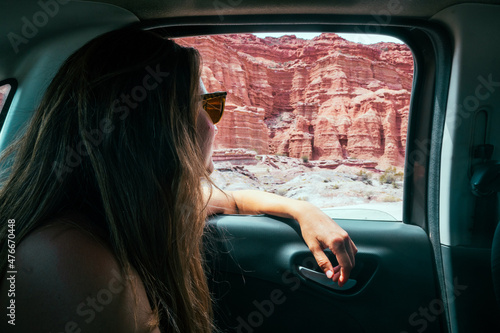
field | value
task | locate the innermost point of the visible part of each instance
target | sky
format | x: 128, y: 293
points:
x: 358, y: 38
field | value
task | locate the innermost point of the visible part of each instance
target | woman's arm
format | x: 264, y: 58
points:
x: 318, y: 229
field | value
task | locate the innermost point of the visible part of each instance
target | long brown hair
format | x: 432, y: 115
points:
x: 115, y: 138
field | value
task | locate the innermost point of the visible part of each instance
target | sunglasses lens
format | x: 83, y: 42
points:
x: 214, y: 106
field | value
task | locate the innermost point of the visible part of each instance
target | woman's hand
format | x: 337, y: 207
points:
x: 320, y: 232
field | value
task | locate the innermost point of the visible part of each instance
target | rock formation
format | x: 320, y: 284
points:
x: 320, y: 99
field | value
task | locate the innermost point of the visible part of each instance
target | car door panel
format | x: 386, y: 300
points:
x: 263, y: 265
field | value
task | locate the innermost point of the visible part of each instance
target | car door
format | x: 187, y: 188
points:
x: 428, y: 273
x: 264, y: 278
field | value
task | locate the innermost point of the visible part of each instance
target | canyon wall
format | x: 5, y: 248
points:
x: 324, y: 99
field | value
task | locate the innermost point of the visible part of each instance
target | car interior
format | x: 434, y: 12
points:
x: 438, y: 270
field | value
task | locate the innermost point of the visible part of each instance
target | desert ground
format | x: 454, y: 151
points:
x: 343, y: 192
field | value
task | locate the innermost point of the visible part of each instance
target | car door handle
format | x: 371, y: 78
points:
x: 322, y: 279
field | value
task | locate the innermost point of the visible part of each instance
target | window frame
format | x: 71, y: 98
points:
x: 431, y: 45
x: 432, y: 66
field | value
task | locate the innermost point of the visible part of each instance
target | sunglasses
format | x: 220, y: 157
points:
x: 213, y: 104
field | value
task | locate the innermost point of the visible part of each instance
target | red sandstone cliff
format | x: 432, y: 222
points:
x: 325, y: 98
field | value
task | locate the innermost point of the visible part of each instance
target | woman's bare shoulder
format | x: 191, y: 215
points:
x: 66, y: 249
x: 68, y: 236
x: 68, y: 280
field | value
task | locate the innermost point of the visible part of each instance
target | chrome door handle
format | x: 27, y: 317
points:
x: 323, y: 280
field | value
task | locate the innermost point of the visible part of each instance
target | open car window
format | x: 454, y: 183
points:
x: 5, y: 90
x: 321, y: 118
x: 4, y: 93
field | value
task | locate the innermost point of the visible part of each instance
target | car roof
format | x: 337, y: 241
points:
x: 160, y: 9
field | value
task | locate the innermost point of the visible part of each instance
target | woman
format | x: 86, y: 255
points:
x: 106, y: 194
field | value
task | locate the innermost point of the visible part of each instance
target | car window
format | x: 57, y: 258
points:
x: 322, y: 119
x: 4, y: 92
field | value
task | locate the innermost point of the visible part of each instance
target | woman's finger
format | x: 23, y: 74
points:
x: 322, y: 260
x: 344, y: 260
